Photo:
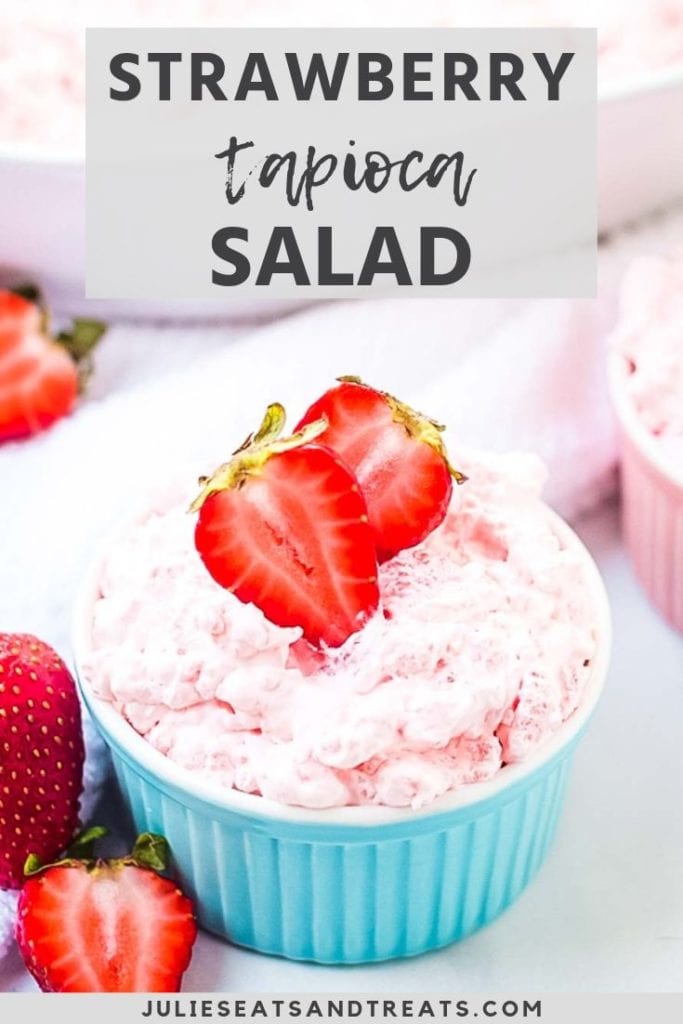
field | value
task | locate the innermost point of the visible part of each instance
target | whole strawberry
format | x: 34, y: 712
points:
x: 92, y: 925
x: 40, y: 375
x: 41, y: 754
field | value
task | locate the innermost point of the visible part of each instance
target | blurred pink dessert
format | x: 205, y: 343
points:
x: 637, y: 36
x: 633, y: 35
x: 42, y: 46
x: 649, y: 340
x: 481, y: 649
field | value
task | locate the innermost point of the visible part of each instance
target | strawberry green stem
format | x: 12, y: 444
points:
x: 150, y: 851
x: 80, y: 341
x: 250, y: 458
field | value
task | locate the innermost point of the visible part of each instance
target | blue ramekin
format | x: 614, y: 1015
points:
x: 352, y: 884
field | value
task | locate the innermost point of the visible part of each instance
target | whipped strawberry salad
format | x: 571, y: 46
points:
x: 649, y: 340
x: 339, y: 651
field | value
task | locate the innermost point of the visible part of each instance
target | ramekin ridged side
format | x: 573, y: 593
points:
x: 353, y: 894
x: 652, y: 507
x: 351, y: 884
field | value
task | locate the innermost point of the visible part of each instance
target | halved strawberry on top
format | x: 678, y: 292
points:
x: 398, y: 456
x: 283, y: 525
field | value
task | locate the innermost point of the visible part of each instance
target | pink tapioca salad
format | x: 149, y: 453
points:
x: 42, y: 45
x: 480, y: 650
x: 648, y: 341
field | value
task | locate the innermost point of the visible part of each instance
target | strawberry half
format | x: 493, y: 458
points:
x: 39, y: 375
x: 86, y: 925
x: 398, y: 456
x: 284, y: 525
x: 41, y: 754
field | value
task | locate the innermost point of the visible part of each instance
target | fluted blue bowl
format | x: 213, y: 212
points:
x: 352, y: 884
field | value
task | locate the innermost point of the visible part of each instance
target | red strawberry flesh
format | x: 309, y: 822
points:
x: 39, y: 375
x: 104, y: 927
x: 18, y: 317
x: 284, y: 526
x: 398, y: 456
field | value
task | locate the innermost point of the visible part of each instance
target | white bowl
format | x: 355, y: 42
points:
x: 640, y: 146
x: 42, y: 241
x: 42, y: 201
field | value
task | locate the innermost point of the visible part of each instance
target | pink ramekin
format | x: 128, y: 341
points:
x: 652, y: 504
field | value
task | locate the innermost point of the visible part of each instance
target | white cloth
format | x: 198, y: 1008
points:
x: 8, y: 901
x: 173, y: 402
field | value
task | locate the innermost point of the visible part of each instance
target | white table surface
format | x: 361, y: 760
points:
x: 606, y: 911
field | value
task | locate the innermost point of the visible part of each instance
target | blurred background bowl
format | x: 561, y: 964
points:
x: 42, y: 202
x: 42, y: 241
x: 640, y: 146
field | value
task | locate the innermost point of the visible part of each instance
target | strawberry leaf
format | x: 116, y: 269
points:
x: 82, y: 338
x: 80, y: 343
x: 151, y: 851
x: 32, y: 865
x: 82, y: 846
